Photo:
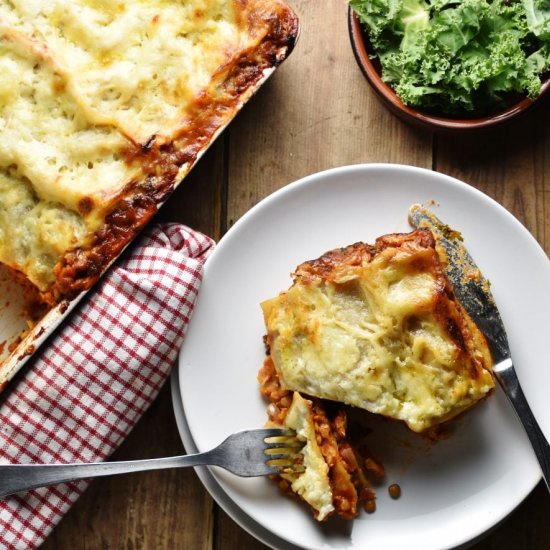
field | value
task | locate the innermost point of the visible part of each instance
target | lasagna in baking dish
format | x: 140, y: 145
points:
x: 374, y: 328
x: 104, y: 106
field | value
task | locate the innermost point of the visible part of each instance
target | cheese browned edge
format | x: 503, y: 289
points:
x: 162, y: 161
x: 379, y: 327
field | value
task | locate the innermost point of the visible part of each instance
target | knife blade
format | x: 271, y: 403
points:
x: 473, y: 291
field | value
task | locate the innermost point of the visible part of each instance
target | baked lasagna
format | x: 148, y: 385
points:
x: 105, y: 105
x: 375, y: 328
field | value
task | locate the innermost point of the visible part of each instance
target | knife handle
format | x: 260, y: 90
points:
x: 507, y: 377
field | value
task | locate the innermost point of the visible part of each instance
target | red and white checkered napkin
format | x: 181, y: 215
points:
x: 82, y: 394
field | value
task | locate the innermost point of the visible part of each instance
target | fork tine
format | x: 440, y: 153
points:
x: 286, y: 465
x: 248, y: 453
x: 283, y: 453
x: 281, y: 460
x: 285, y: 444
x: 283, y: 456
x: 284, y: 441
x: 278, y: 454
x: 276, y: 432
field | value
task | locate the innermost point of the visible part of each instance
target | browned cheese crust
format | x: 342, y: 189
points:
x: 447, y: 309
x: 162, y: 160
x: 379, y: 327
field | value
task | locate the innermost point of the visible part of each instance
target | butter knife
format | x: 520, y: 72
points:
x: 473, y: 291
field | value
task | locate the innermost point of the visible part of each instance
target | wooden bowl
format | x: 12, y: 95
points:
x: 371, y: 69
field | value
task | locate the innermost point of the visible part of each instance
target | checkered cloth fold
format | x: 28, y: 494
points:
x: 83, y: 392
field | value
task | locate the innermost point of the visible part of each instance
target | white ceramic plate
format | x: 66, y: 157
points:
x: 452, y: 492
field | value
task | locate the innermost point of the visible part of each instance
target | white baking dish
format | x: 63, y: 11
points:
x: 18, y: 340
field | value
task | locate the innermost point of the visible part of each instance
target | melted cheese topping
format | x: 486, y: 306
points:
x: 381, y: 333
x: 34, y: 233
x: 84, y: 81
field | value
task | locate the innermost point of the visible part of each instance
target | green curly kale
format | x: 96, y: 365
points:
x: 459, y: 56
x: 538, y: 17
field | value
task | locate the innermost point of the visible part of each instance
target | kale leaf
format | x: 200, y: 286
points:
x: 459, y: 56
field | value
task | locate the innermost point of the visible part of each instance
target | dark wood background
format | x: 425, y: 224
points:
x: 315, y: 112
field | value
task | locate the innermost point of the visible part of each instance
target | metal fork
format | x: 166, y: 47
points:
x: 248, y: 453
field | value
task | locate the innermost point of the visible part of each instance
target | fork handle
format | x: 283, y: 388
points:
x: 508, y: 379
x: 15, y: 478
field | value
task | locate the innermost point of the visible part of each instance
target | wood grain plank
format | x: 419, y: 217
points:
x: 316, y: 112
x: 199, y: 200
x: 229, y: 536
x: 510, y: 165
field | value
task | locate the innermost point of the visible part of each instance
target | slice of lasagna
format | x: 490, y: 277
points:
x: 376, y: 327
x: 104, y: 107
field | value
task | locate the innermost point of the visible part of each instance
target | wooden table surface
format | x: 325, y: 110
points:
x: 315, y: 112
